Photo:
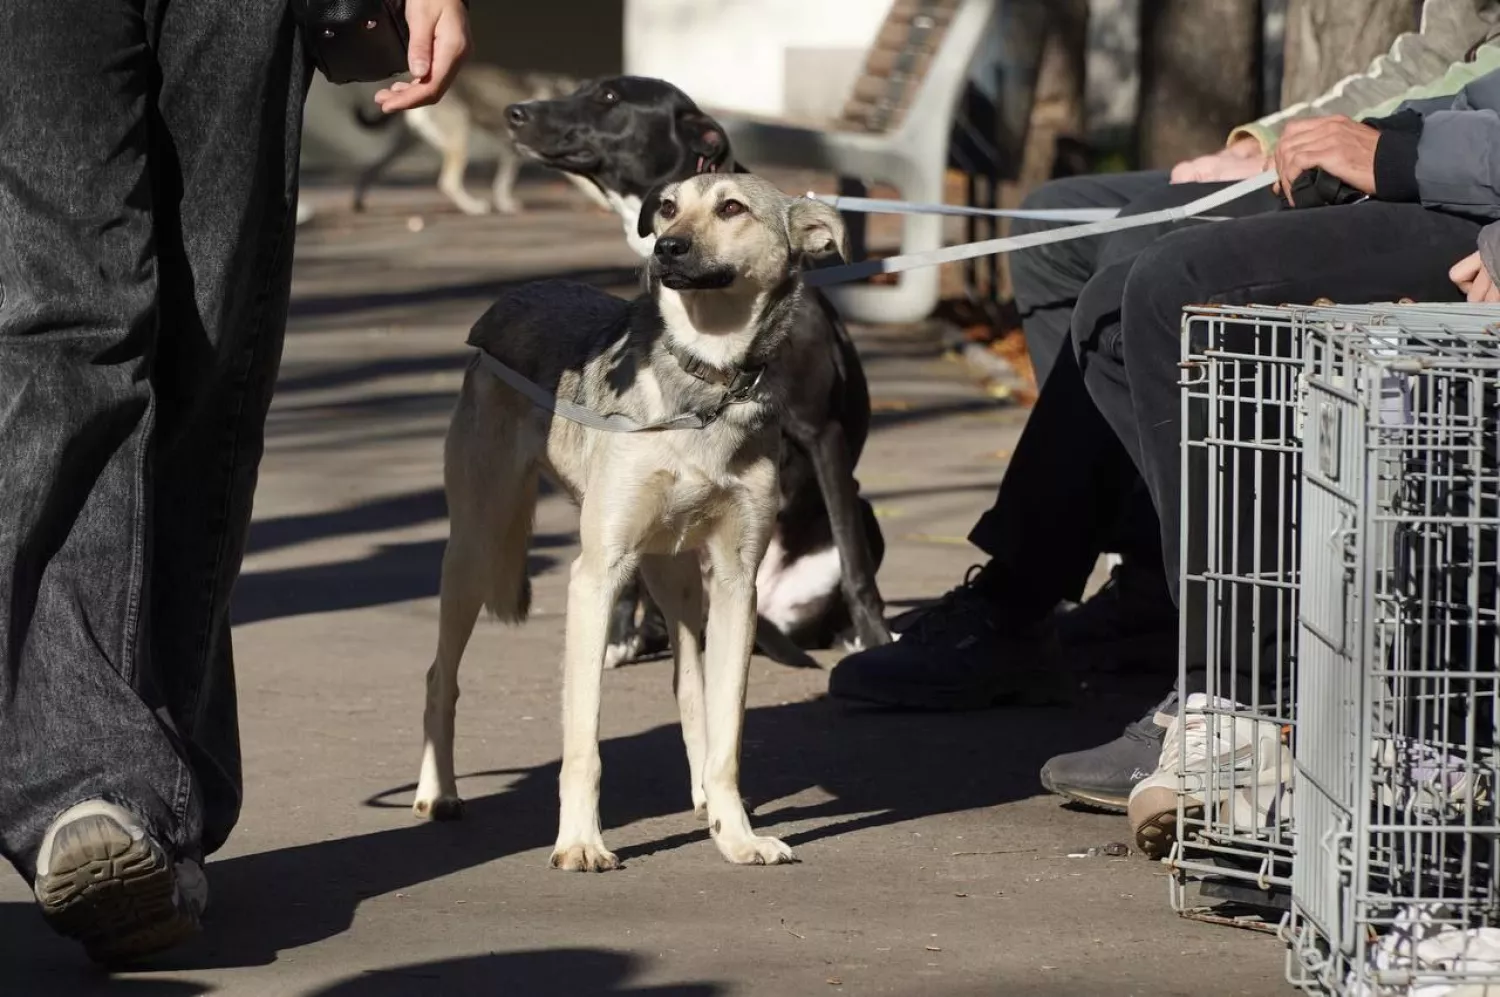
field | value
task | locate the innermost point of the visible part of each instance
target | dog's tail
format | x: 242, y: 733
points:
x: 492, y: 494
x: 374, y: 120
x: 507, y: 590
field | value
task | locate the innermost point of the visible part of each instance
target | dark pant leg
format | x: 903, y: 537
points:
x: 1048, y: 279
x: 82, y: 714
x: 1358, y: 253
x: 1068, y: 467
x: 1060, y: 499
x: 225, y: 159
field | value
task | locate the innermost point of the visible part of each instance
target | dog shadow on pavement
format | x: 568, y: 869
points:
x: 551, y: 973
x: 877, y: 768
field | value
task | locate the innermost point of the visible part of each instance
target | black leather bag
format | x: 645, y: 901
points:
x: 355, y: 41
x: 1316, y: 188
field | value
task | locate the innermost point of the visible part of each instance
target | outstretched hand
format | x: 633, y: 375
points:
x: 1240, y: 161
x: 439, y: 41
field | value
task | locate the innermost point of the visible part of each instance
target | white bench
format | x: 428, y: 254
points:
x: 895, y: 128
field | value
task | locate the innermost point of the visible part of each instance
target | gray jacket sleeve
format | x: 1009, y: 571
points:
x: 1449, y: 30
x: 1458, y: 157
x: 1489, y: 250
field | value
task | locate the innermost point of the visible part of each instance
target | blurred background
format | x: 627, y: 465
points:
x: 1048, y: 88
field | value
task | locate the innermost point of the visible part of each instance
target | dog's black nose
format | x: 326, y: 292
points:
x: 669, y: 246
x: 517, y: 114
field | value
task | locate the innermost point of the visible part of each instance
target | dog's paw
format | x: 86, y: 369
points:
x: 473, y: 207
x: 584, y: 858
x: 508, y: 207
x: 622, y: 653
x: 439, y: 808
x: 756, y: 850
x: 700, y: 810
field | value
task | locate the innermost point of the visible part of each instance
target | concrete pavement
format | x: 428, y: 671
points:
x: 932, y: 863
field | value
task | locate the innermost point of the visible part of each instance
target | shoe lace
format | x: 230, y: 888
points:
x: 954, y: 611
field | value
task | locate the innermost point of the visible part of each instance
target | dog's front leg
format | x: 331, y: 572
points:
x: 595, y: 584
x: 676, y: 583
x: 835, y: 473
x: 731, y: 635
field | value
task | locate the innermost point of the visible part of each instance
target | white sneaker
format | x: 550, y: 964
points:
x: 1238, y: 766
x: 103, y: 880
x: 1419, y: 780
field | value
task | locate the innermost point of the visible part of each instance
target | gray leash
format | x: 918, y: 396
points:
x: 882, y: 206
x: 1096, y: 221
x: 614, y: 422
x: 989, y: 247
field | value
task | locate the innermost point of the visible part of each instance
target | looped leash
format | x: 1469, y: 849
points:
x: 990, y: 247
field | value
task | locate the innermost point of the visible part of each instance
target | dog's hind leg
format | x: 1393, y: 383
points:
x: 599, y: 573
x: 506, y: 172
x: 462, y: 594
x: 731, y: 634
x: 676, y: 584
x: 624, y: 642
x: 455, y: 149
x: 405, y: 139
x: 491, y: 499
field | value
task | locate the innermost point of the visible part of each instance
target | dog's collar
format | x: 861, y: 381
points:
x: 737, y: 384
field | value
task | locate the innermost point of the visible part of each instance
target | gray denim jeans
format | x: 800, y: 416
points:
x: 148, y: 183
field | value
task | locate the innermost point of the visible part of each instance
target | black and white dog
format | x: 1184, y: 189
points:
x: 629, y: 136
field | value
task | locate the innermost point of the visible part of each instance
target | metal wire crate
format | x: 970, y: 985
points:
x: 1241, y: 461
x: 1395, y: 884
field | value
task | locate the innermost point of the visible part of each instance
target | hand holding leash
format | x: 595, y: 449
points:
x: 1339, y: 146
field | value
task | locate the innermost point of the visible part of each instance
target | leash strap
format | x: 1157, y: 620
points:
x: 613, y: 423
x: 881, y: 206
x: 990, y: 247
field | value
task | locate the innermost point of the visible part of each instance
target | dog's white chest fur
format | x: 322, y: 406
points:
x: 628, y: 207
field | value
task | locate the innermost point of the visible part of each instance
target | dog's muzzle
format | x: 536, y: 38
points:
x: 676, y: 263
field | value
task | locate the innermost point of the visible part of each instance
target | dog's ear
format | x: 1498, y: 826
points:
x: 649, y: 204
x: 816, y: 230
x: 704, y: 137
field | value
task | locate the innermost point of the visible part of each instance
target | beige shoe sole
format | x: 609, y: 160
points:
x: 1153, y: 819
x: 115, y: 894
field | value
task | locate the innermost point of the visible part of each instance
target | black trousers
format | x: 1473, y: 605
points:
x: 1069, y: 468
x: 1127, y: 326
x: 148, y: 187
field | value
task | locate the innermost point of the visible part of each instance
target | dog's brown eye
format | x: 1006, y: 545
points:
x: 731, y: 208
x: 667, y: 210
x: 609, y: 97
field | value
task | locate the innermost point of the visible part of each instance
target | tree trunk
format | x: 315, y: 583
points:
x: 1199, y: 64
x: 1057, y: 111
x: 1326, y: 40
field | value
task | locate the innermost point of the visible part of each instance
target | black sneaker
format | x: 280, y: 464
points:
x: 1103, y: 777
x: 1129, y: 623
x: 102, y: 879
x: 953, y: 655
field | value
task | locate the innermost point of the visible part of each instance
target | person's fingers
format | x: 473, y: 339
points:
x: 450, y: 45
x: 1185, y: 171
x: 408, y: 97
x: 1483, y: 288
x: 1465, y: 270
x: 421, y: 22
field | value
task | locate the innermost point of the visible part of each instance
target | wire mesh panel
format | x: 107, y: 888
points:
x: 1241, y: 465
x: 1395, y: 885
